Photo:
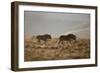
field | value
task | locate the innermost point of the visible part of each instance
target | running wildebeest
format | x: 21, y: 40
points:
x: 44, y: 37
x: 69, y: 38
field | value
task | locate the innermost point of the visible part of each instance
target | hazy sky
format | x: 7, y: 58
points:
x: 57, y: 24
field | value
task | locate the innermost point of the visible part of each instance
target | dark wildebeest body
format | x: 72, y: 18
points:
x: 43, y: 37
x: 69, y: 38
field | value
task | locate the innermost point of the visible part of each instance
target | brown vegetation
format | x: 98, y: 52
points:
x: 52, y: 50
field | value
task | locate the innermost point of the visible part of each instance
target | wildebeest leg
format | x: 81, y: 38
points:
x: 45, y: 42
x: 75, y: 41
x: 57, y: 42
x: 38, y: 40
x: 60, y: 42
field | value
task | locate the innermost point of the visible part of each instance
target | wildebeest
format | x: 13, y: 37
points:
x: 69, y: 38
x: 44, y: 37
